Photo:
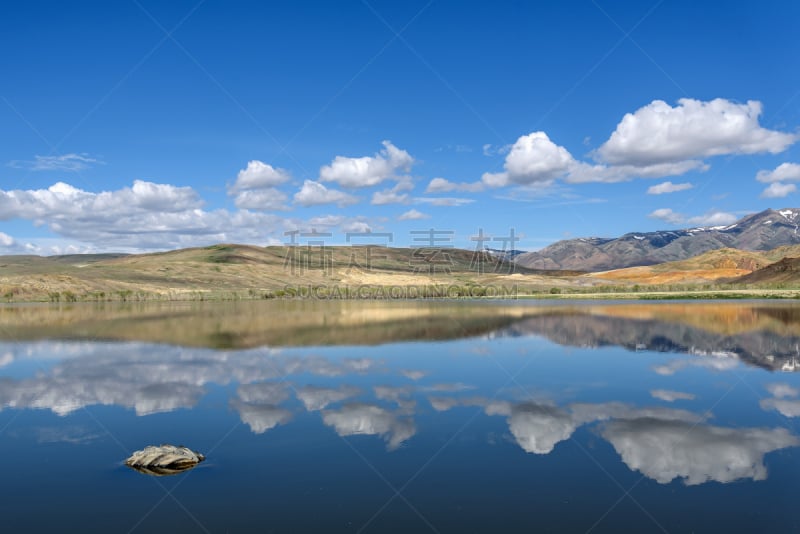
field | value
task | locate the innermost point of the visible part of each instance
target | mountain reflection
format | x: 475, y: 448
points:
x: 389, y: 395
x: 766, y: 335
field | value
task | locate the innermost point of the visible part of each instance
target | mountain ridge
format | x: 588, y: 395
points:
x: 764, y: 230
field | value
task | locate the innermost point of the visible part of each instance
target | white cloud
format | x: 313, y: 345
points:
x: 659, y: 133
x: 268, y: 199
x: 671, y: 396
x: 314, y: 193
x: 778, y: 190
x: 441, y: 185
x: 368, y: 170
x: 668, y: 187
x: 582, y: 172
x: 533, y: 158
x: 711, y: 218
x: 785, y: 172
x: 493, y: 150
x: 145, y: 216
x: 64, y: 162
x: 395, y: 195
x: 667, y: 215
x: 445, y: 201
x: 6, y: 240
x: 413, y: 215
x: 259, y: 175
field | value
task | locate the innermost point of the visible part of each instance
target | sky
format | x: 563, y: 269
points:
x: 136, y: 125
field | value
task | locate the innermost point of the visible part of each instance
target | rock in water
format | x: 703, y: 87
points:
x: 164, y: 460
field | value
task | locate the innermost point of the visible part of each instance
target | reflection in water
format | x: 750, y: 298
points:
x: 662, y: 444
x: 316, y: 398
x: 370, y: 396
x: 371, y: 420
x: 668, y: 449
x: 763, y: 334
x: 668, y: 395
x: 261, y: 417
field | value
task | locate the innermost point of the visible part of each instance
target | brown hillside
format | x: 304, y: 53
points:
x: 784, y: 271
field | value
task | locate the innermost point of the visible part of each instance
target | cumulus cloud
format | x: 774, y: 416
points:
x: 667, y: 215
x: 778, y: 190
x: 668, y: 449
x: 655, y: 141
x: 668, y: 187
x: 660, y: 133
x: 314, y: 193
x: 261, y: 199
x: 395, y: 195
x: 412, y: 215
x: 371, y: 420
x: 145, y: 216
x: 316, y: 398
x: 6, y: 240
x: 63, y: 162
x: 259, y: 175
x: 671, y: 396
x: 442, y: 185
x: 711, y: 218
x: 582, y: 172
x: 368, y: 170
x: 533, y: 158
x: 785, y: 172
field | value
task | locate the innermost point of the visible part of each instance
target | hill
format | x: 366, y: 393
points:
x: 244, y: 270
x: 784, y: 271
x: 716, y: 265
x: 761, y: 231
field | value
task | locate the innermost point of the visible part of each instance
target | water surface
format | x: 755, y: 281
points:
x: 403, y: 416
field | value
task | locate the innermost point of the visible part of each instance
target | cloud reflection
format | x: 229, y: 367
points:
x: 371, y: 420
x: 665, y: 450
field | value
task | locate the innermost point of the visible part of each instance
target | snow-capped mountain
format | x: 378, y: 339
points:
x: 760, y: 231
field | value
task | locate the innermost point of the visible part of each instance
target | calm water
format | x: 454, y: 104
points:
x: 403, y: 417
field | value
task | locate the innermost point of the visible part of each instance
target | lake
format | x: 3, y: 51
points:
x: 403, y: 416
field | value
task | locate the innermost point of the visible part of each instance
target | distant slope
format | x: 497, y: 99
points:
x: 786, y: 270
x: 761, y: 231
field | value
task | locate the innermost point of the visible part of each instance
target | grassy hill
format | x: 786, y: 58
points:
x: 243, y: 271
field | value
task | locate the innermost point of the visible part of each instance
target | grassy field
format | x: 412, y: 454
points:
x: 234, y: 272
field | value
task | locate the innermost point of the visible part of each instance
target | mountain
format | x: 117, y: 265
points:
x: 761, y: 231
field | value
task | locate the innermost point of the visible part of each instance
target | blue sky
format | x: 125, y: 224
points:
x: 140, y: 125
